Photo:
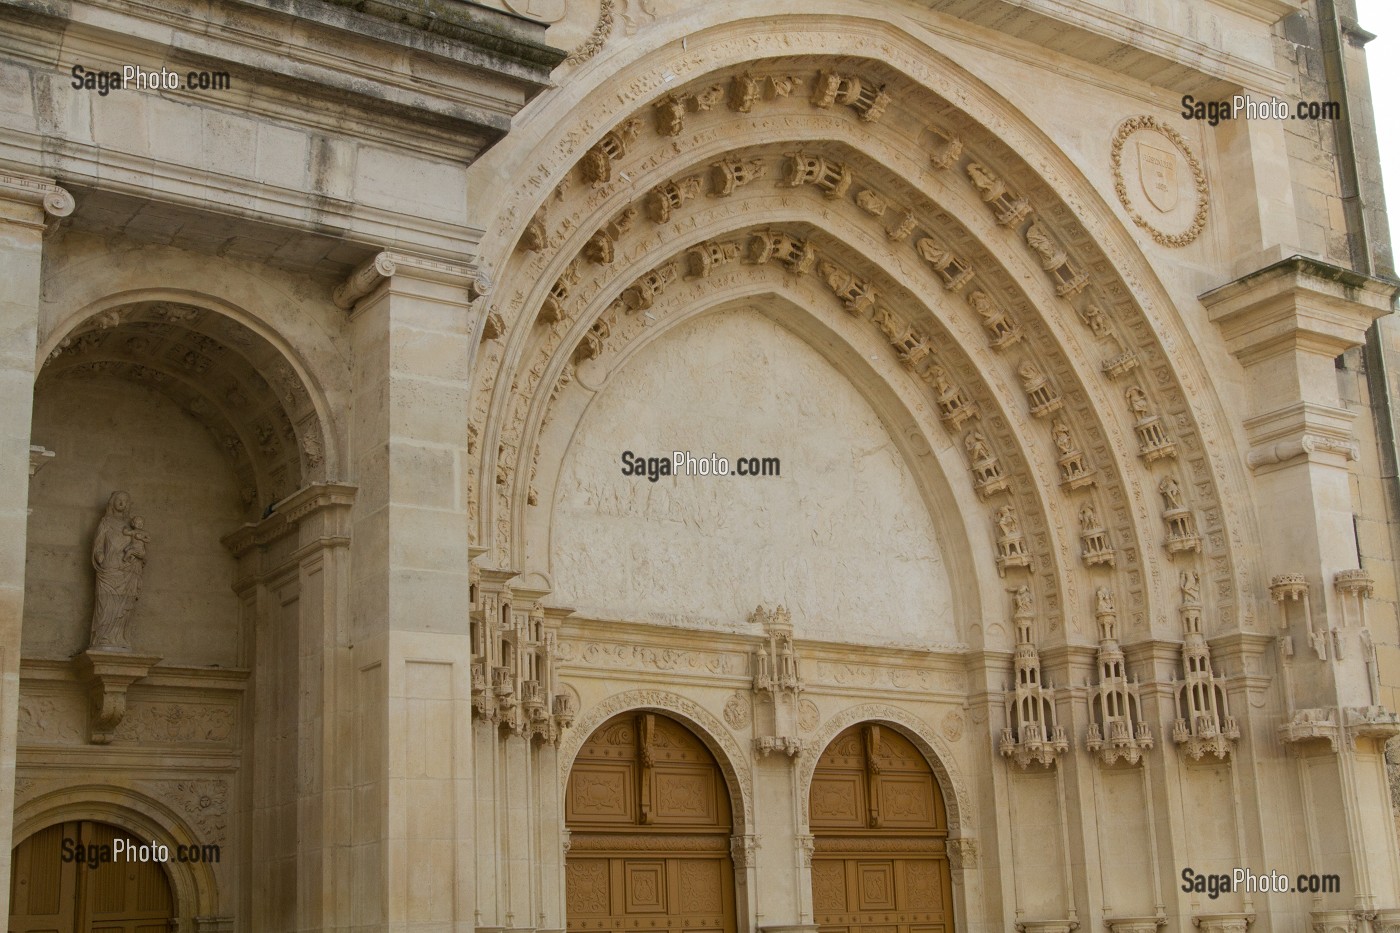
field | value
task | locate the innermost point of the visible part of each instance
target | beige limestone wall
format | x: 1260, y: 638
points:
x: 110, y: 434
x: 840, y: 538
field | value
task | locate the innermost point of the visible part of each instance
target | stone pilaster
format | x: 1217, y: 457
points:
x: 27, y: 204
x: 1287, y: 324
x: 413, y: 853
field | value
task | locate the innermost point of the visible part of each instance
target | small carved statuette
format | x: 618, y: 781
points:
x: 1011, y: 543
x: 1040, y: 394
x: 1093, y: 536
x: 596, y: 164
x: 667, y: 198
x: 671, y: 110
x: 987, y: 476
x: 1001, y: 329
x: 1180, y: 520
x: 119, y: 560
x: 867, y: 100
x: 946, y: 150
x: 729, y: 174
x: 1153, y: 443
x: 834, y: 178
x: 953, y: 404
x: 953, y: 272
x: 1007, y: 207
x: 776, y: 246
x: 1074, y: 472
x: 857, y: 295
x: 1054, y: 260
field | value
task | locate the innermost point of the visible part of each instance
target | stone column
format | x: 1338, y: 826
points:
x: 24, y: 203
x: 1287, y: 324
x: 412, y: 809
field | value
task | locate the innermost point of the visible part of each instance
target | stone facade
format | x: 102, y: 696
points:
x: 1075, y: 564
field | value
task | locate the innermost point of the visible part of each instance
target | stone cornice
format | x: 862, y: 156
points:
x: 384, y: 266
x: 1297, y: 305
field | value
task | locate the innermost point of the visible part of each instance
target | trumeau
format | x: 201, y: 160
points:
x: 1065, y: 580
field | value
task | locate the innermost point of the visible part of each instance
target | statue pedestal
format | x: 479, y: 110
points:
x: 107, y: 673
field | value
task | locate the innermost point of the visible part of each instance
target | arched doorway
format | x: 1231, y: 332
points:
x: 54, y: 887
x: 881, y: 861
x: 649, y: 818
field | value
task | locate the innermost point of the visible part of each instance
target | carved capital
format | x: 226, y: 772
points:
x: 386, y: 265
x: 38, y: 192
x: 108, y: 674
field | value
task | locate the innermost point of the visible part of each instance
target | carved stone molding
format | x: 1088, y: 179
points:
x: 1046, y: 926
x: 1134, y: 924
x: 1338, y: 725
x: 962, y: 853
x: 1335, y: 921
x: 1222, y: 923
x: 108, y: 674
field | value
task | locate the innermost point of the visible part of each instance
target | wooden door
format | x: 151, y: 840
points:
x: 49, y: 895
x: 881, y: 863
x: 649, y: 822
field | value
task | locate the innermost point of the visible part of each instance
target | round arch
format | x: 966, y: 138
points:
x: 225, y: 367
x: 960, y: 805
x: 194, y: 885
x: 706, y: 726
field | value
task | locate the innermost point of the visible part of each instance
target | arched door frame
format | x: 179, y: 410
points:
x: 958, y: 804
x: 193, y: 885
x: 720, y: 743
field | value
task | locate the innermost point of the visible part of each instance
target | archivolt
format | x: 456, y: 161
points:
x: 585, y: 225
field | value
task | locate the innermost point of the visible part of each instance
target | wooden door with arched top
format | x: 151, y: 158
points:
x: 649, y: 820
x: 881, y: 861
x: 53, y: 890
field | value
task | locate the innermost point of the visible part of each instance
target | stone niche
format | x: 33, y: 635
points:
x: 839, y: 538
x: 110, y: 433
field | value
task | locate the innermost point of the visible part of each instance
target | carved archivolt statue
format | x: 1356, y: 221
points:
x: 119, y: 558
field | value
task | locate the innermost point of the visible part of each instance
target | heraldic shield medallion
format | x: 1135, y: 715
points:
x: 1157, y: 169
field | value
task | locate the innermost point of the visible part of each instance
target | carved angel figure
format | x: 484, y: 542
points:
x: 1007, y: 523
x: 1190, y: 583
x: 1171, y: 493
x: 977, y: 449
x: 982, y: 303
x: 1021, y: 599
x: 1063, y: 442
x: 1089, y: 517
x: 119, y: 559
x: 1104, y: 598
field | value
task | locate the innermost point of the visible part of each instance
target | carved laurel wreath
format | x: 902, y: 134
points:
x: 1198, y: 221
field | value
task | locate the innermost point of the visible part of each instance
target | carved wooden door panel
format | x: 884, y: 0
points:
x: 49, y: 895
x: 649, y: 823
x: 881, y: 863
